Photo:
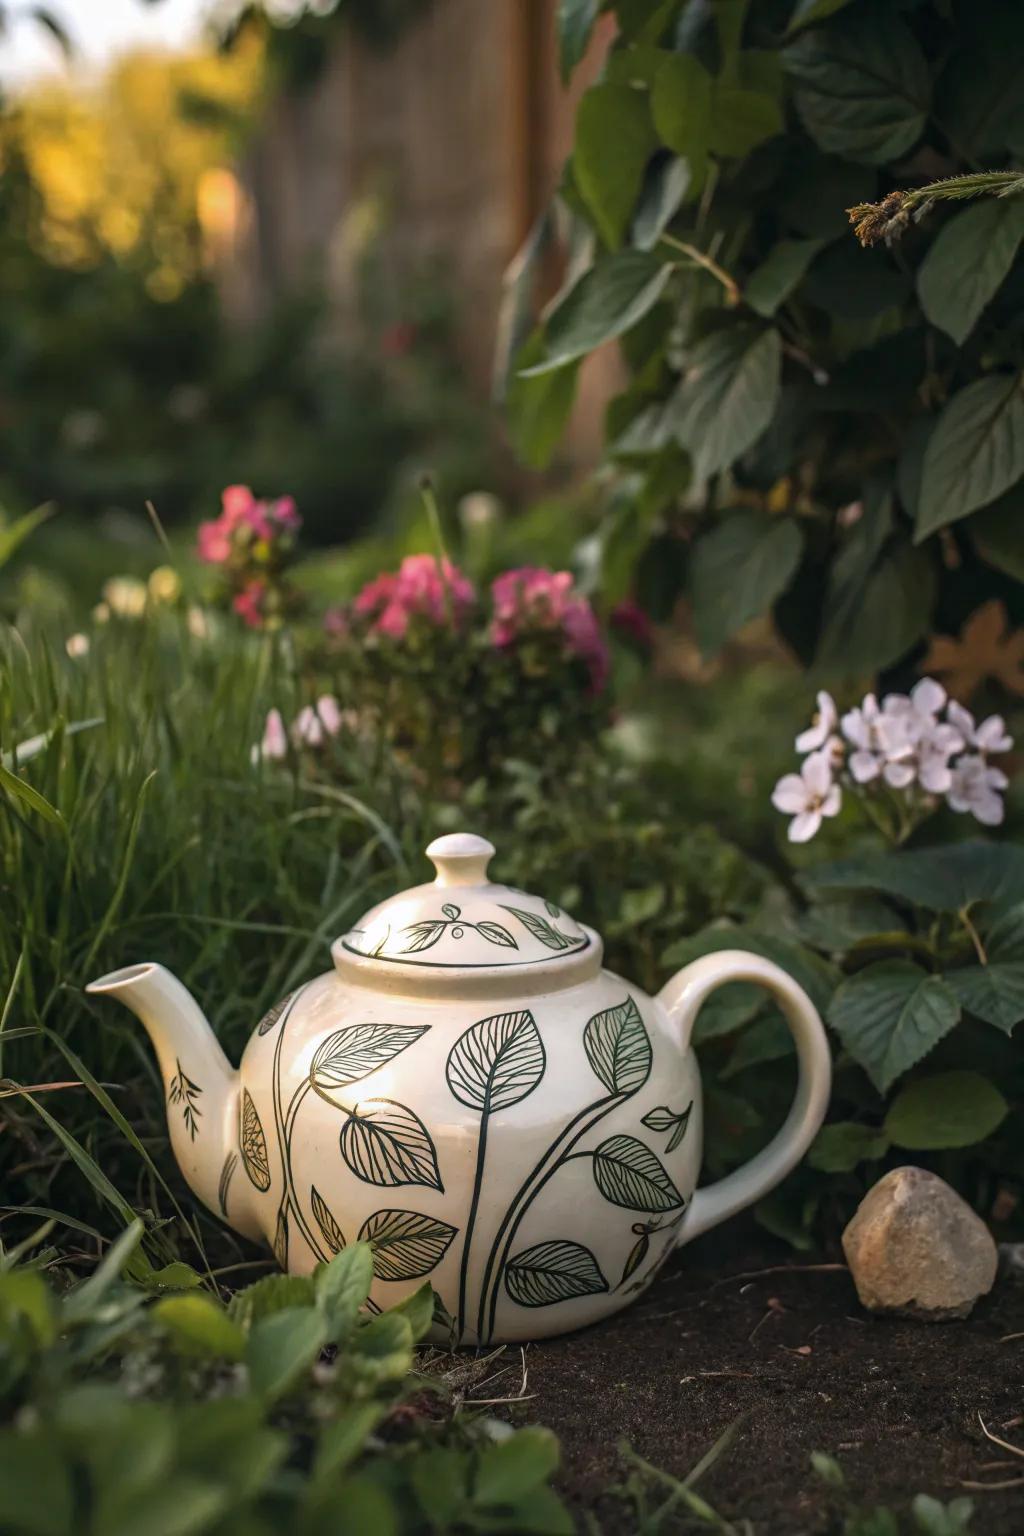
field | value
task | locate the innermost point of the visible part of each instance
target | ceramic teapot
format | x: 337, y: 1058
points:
x: 472, y: 1093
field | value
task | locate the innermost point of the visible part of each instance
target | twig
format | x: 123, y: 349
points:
x: 702, y: 259
x: 1004, y: 1445
x: 782, y: 1269
x: 1009, y: 1482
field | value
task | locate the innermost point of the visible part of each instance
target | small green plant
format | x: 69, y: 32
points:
x: 137, y: 1400
x: 926, y: 1516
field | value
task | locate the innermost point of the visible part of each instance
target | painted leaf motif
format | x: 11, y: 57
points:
x: 281, y: 1237
x: 272, y: 1015
x: 254, y: 1145
x: 226, y: 1175
x: 665, y: 1119
x: 629, y: 1174
x: 497, y: 934
x: 405, y: 1244
x: 553, y: 1271
x: 385, y: 1143
x: 618, y: 1048
x: 334, y: 1237
x: 541, y: 929
x: 423, y: 935
x: 496, y: 1062
x: 356, y: 1051
x: 637, y: 1254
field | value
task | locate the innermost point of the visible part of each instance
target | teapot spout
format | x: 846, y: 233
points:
x: 200, y: 1085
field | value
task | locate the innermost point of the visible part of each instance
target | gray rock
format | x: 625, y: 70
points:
x: 915, y: 1247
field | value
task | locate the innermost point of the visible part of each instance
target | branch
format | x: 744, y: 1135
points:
x: 887, y: 220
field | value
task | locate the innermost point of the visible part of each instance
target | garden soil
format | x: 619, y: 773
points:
x: 897, y: 1402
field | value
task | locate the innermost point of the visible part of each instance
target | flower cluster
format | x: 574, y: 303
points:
x: 312, y: 727
x: 251, y: 543
x: 421, y: 588
x: 531, y: 602
x: 912, y: 749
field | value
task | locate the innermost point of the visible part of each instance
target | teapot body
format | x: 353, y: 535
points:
x: 532, y: 1153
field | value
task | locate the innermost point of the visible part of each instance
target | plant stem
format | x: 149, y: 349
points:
x: 979, y: 948
x: 702, y: 259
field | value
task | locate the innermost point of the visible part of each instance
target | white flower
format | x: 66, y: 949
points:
x: 906, y: 720
x: 316, y: 722
x: 932, y: 760
x: 860, y: 727
x: 990, y: 736
x: 903, y: 741
x: 807, y: 796
x: 274, y: 745
x: 822, y: 726
x: 76, y: 646
x: 977, y: 788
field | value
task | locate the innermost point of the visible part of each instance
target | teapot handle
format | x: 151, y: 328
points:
x: 682, y: 998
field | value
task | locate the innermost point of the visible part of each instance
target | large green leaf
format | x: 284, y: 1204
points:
x: 807, y: 12
x: 614, y: 138
x: 737, y: 571
x: 727, y: 395
x: 282, y: 1348
x: 771, y: 284
x: 862, y: 84
x: 537, y: 406
x: 840, y: 1147
x: 870, y: 625
x: 575, y: 22
x: 998, y: 533
x: 742, y: 119
x: 890, y: 1015
x: 952, y: 1109
x: 995, y: 991
x: 666, y: 186
x: 967, y: 263
x: 975, y: 453
x: 606, y: 301
x: 681, y: 108
x: 945, y: 879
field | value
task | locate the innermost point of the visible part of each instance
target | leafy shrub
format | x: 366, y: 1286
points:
x: 153, y: 1406
x: 831, y: 433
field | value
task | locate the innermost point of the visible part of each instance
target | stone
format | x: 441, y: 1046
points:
x: 915, y: 1247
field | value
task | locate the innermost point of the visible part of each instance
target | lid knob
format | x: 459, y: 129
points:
x: 461, y: 858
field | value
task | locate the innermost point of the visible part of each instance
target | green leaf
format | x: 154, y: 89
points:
x: 998, y: 533
x: 80, y: 1302
x: 281, y: 1349
x: 515, y: 1466
x: 575, y: 22
x: 767, y: 1039
x: 608, y: 300
x: 553, y: 1271
x: 871, y: 625
x: 945, y: 879
x: 537, y: 407
x: 200, y: 1326
x: 771, y: 284
x: 742, y: 119
x: 13, y: 535
x: 614, y: 138
x: 382, y: 1350
x: 968, y: 261
x: 727, y: 395
x: 30, y: 797
x: 807, y: 12
x: 933, y: 1518
x: 737, y: 570
x: 664, y: 190
x: 992, y: 992
x: 842, y: 1146
x: 841, y: 922
x: 271, y: 1294
x: 418, y: 1310
x: 628, y: 1174
x: 681, y: 109
x: 862, y: 84
x: 975, y: 453
x: 618, y: 1048
x: 342, y: 1286
x: 890, y: 1015
x: 953, y: 1109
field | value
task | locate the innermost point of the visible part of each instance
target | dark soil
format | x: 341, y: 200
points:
x: 895, y: 1401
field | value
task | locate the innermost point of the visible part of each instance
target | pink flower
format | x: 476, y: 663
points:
x: 248, y: 604
x: 237, y: 501
x: 274, y: 745
x: 241, y: 510
x: 214, y: 544
x: 422, y: 587
x: 632, y: 622
x: 531, y: 599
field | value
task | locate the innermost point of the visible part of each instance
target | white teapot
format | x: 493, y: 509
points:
x: 471, y: 1093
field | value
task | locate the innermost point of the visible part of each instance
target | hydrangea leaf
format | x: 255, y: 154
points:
x: 890, y: 1015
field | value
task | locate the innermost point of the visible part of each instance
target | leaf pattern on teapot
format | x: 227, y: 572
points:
x: 406, y: 1245
x: 553, y: 1271
x: 385, y: 1143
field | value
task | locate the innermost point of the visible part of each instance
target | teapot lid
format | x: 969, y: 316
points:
x: 463, y: 921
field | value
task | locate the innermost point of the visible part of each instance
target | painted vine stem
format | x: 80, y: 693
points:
x: 618, y: 1049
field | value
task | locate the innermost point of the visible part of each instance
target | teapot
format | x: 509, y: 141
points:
x: 472, y: 1094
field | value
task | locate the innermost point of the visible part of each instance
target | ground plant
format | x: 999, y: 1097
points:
x: 809, y: 429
